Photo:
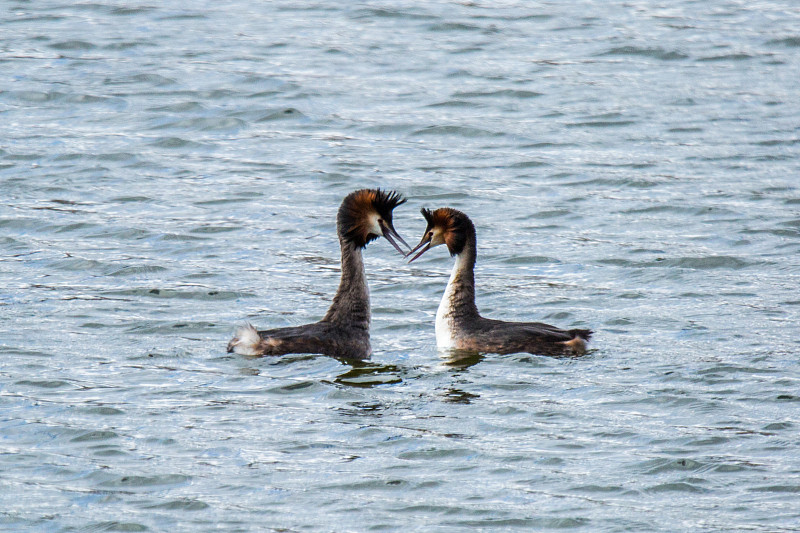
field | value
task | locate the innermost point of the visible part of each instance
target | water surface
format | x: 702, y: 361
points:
x: 168, y: 172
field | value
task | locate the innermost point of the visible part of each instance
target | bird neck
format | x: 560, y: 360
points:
x: 458, y: 302
x: 350, y: 306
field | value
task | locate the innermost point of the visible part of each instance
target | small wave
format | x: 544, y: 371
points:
x: 778, y: 142
x: 778, y: 426
x: 705, y: 263
x: 460, y: 131
x: 529, y: 164
x: 87, y: 99
x: 115, y: 156
x: 219, y: 94
x: 549, y: 145
x: 33, y: 18
x: 103, y: 410
x: 214, y: 228
x: 177, y: 237
x: 205, y: 295
x: 162, y: 327
x: 68, y: 228
x: 657, y: 53
x: 135, y: 270
x: 600, y: 124
x: 287, y: 113
x: 694, y: 263
x: 599, y: 489
x: 180, y: 107
x: 456, y: 103
x: 530, y: 260
x: 795, y: 223
x: 184, y: 16
x: 296, y: 387
x: 34, y: 97
x: 529, y: 524
x: 680, y: 486
x: 453, y: 26
x: 223, y: 201
x: 793, y: 42
x: 432, y: 454
x: 391, y: 13
x: 783, y: 489
x: 508, y: 93
x: 660, y: 209
x: 727, y: 57
x: 389, y: 128
x: 72, y: 45
x: 787, y: 398
x: 660, y: 466
x: 149, y: 78
x: 77, y: 264
x: 126, y: 11
x: 176, y: 142
x: 685, y: 130
x: 128, y: 45
x: 528, y: 16
x: 133, y: 482
x: 129, y: 199
x: 550, y: 213
x: 205, y: 124
x: 183, y: 504
x: 43, y: 384
x: 121, y: 233
x: 94, y: 436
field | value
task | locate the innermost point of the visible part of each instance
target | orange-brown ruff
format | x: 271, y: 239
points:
x: 458, y: 323
x: 363, y: 216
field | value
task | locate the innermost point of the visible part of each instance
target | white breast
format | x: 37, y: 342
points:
x: 445, y: 327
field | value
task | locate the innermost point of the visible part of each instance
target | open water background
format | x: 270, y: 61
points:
x: 167, y: 172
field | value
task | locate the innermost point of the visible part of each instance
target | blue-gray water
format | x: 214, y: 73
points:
x: 168, y: 172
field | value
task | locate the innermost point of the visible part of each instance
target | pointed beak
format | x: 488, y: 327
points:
x: 392, y: 236
x: 426, y: 240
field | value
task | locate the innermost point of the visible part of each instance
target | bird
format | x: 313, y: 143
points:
x: 459, y: 325
x: 364, y: 215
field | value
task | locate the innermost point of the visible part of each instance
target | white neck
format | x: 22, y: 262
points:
x: 445, y: 324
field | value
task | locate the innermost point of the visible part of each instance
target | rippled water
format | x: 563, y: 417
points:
x: 168, y: 172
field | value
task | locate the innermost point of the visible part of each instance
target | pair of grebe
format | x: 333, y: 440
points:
x: 366, y: 215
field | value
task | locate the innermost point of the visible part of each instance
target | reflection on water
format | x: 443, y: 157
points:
x: 454, y: 395
x: 459, y: 359
x: 365, y: 374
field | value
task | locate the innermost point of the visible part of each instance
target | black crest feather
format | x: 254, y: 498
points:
x: 354, y: 214
x: 428, y: 214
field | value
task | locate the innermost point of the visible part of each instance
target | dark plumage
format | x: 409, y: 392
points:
x: 459, y: 325
x: 496, y: 336
x: 364, y: 216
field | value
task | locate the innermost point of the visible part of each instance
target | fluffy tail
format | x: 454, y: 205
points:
x: 578, y: 343
x: 246, y: 341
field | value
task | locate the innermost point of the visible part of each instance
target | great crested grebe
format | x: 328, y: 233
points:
x: 364, y: 216
x: 458, y: 323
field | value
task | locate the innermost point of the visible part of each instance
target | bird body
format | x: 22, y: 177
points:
x: 459, y: 325
x: 363, y: 216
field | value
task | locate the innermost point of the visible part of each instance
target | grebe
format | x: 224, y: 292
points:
x: 458, y: 323
x: 364, y: 216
